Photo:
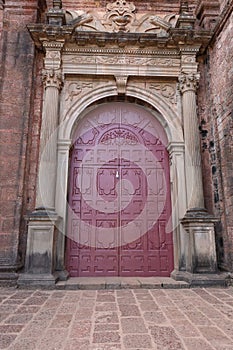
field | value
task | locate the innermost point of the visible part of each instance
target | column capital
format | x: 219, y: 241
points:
x: 52, y: 78
x: 188, y: 82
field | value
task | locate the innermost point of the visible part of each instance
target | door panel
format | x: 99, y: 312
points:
x: 119, y: 195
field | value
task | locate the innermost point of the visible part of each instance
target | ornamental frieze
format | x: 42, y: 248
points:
x: 120, y: 59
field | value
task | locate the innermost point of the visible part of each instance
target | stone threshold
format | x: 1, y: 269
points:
x: 177, y: 281
x: 96, y: 283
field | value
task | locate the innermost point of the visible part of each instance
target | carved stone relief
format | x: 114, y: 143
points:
x: 188, y: 82
x: 77, y: 88
x: 168, y: 91
x: 52, y: 78
x: 120, y: 59
x: 120, y: 16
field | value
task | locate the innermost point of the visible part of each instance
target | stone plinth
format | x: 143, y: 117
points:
x: 41, y: 252
x: 199, y: 226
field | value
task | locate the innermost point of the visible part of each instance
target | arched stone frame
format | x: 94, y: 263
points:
x: 171, y: 123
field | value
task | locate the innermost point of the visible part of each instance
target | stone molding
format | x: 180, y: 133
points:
x: 188, y: 82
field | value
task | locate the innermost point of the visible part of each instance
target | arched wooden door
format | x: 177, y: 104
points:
x: 119, y: 210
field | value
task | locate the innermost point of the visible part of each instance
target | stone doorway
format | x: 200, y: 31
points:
x: 119, y: 210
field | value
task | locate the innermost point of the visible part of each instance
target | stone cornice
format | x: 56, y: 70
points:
x: 176, y: 37
x: 123, y: 51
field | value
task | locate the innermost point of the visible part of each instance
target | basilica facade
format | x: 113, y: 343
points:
x: 116, y: 140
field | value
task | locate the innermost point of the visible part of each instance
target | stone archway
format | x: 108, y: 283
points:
x: 119, y: 210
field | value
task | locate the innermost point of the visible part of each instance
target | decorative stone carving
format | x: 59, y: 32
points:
x: 121, y: 82
x: 166, y: 90
x: 188, y: 59
x: 52, y: 60
x: 119, y: 137
x: 120, y: 16
x: 120, y: 58
x: 188, y: 82
x: 52, y: 78
x: 77, y: 88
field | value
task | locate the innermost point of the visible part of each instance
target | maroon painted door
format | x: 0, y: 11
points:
x: 119, y: 212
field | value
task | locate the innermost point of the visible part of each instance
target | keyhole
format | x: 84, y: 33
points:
x: 117, y: 174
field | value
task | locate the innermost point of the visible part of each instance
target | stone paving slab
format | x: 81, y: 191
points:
x: 120, y: 319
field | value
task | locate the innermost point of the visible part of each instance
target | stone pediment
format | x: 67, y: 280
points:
x: 120, y: 16
x: 118, y: 25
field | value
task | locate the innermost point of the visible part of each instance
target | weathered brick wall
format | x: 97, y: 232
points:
x: 16, y: 95
x: 216, y: 110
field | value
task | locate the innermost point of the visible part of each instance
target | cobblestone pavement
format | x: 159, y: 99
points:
x: 169, y: 319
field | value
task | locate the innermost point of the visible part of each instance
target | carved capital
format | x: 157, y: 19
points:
x: 188, y: 82
x: 52, y: 78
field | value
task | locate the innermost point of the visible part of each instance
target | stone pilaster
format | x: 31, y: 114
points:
x: 48, y: 143
x: 44, y: 223
x: 188, y: 84
x: 199, y: 235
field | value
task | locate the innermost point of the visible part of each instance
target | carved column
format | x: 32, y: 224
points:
x: 48, y: 143
x: 188, y: 84
x: 199, y: 235
x: 44, y: 223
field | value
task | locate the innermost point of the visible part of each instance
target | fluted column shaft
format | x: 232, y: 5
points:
x: 48, y: 142
x: 188, y: 84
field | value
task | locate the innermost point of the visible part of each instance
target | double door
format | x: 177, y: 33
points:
x: 119, y: 200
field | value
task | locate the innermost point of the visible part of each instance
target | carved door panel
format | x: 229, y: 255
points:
x: 119, y: 198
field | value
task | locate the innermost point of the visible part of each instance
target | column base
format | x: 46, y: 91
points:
x: 37, y: 280
x: 8, y: 275
x: 40, y: 265
x: 202, y: 280
x: 62, y: 275
x: 201, y: 248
